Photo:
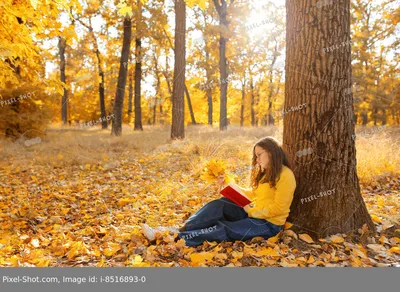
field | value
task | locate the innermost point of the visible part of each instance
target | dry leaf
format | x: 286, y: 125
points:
x: 305, y: 237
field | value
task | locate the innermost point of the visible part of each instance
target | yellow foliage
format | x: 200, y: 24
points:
x: 213, y: 169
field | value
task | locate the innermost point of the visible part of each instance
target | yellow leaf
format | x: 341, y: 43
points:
x: 395, y: 249
x: 34, y: 3
x: 288, y: 265
x: 336, y: 239
x: 237, y: 254
x: 112, y: 249
x: 73, y: 252
x: 359, y: 253
x: 376, y: 219
x: 201, y: 258
x: 310, y: 260
x: 124, y: 10
x: 275, y: 238
x: 101, y: 263
x: 291, y: 233
x: 48, y: 228
x: 40, y: 262
x: 138, y: 262
x: 305, y: 237
x: 287, y: 225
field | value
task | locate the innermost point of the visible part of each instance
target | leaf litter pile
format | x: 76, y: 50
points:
x: 75, y: 210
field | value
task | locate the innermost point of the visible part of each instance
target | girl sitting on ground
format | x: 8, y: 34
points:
x: 273, y: 185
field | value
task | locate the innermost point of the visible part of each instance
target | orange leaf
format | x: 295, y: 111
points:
x: 395, y: 249
x: 287, y: 225
x: 305, y: 237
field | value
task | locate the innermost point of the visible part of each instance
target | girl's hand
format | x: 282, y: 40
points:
x: 247, y: 207
x: 221, y: 182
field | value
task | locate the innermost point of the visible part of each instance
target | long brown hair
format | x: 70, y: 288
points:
x: 277, y: 158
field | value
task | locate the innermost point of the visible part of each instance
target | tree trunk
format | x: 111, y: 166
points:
x: 364, y: 117
x: 158, y: 92
x: 122, y: 75
x: 178, y: 103
x: 130, y: 98
x: 166, y: 75
x: 223, y: 67
x: 104, y: 123
x: 154, y: 111
x: 209, y: 80
x: 158, y: 88
x: 138, y: 79
x: 190, y: 106
x: 242, y: 104
x: 253, y: 113
x: 318, y: 139
x: 62, y: 44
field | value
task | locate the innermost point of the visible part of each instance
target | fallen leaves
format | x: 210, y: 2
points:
x: 93, y: 219
x: 306, y: 238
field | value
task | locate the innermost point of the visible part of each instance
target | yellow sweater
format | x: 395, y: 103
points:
x: 273, y: 204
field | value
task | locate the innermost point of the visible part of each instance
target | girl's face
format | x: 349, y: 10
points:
x: 262, y: 157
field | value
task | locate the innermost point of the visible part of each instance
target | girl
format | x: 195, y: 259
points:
x: 273, y: 185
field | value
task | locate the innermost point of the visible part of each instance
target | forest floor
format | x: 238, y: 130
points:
x: 78, y: 197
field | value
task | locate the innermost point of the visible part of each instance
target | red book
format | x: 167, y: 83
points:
x: 232, y: 192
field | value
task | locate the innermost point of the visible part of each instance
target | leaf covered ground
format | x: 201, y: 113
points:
x: 78, y: 199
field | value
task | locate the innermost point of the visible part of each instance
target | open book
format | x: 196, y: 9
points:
x: 232, y: 192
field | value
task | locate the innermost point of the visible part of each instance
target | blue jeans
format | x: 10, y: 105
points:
x: 222, y: 219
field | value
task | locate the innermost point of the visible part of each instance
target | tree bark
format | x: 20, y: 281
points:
x: 62, y: 44
x: 138, y: 79
x: 122, y: 76
x: 223, y: 66
x: 242, y: 103
x: 130, y: 97
x: 138, y: 70
x: 253, y: 113
x: 318, y: 137
x: 178, y: 103
x: 190, y: 106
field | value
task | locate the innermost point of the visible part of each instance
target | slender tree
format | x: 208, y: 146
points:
x: 62, y: 44
x: 138, y: 69
x: 221, y: 7
x: 122, y: 76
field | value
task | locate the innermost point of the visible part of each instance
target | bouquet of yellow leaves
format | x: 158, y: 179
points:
x: 213, y: 169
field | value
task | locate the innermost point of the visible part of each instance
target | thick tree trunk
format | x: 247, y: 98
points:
x: 178, y: 103
x: 62, y: 44
x: 122, y: 76
x: 318, y: 139
x: 138, y: 79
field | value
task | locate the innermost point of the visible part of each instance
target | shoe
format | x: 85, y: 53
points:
x: 150, y: 232
x: 182, y: 229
